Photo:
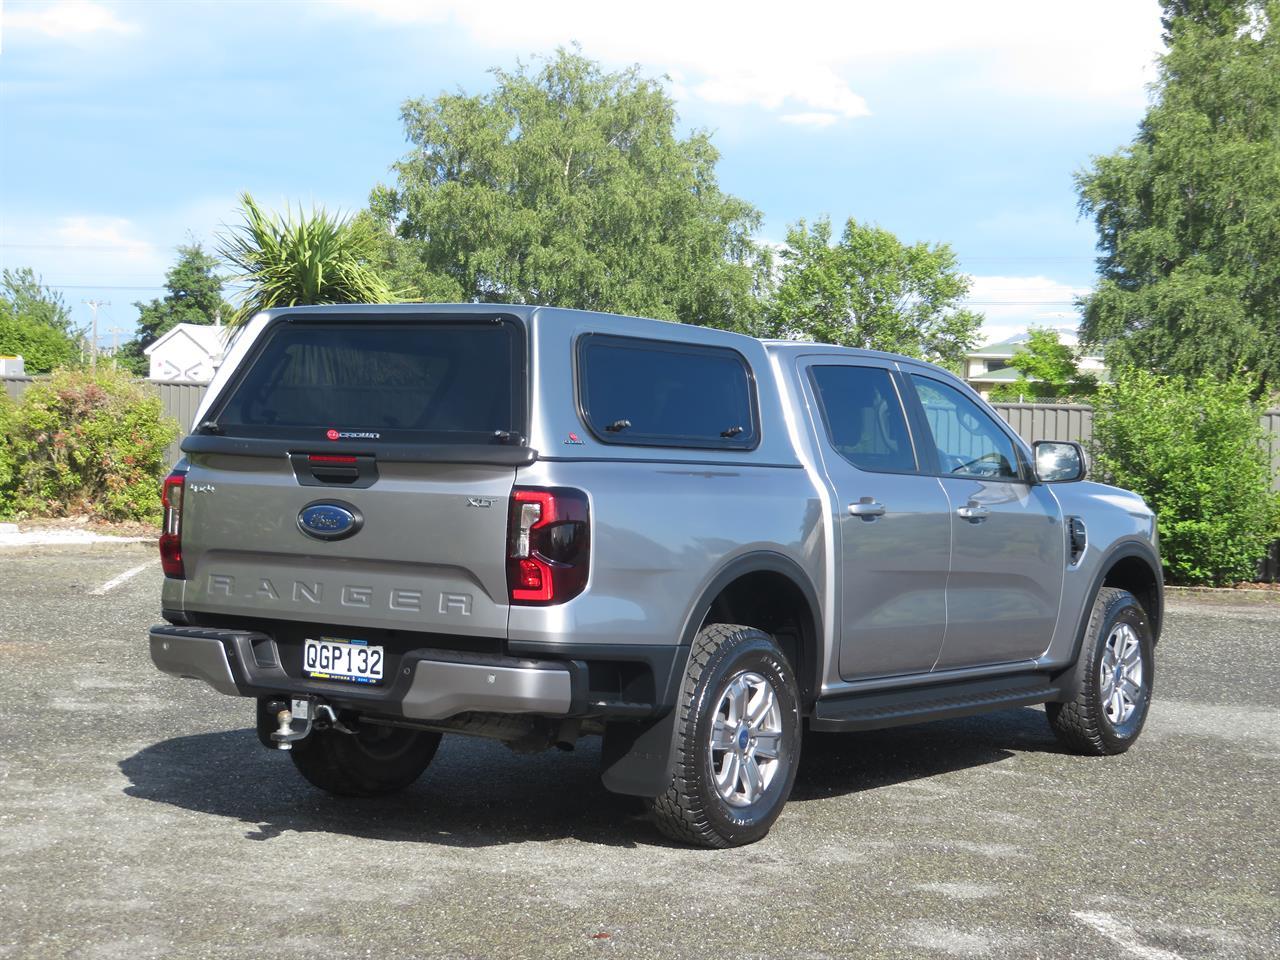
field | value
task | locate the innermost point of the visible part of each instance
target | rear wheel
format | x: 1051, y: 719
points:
x: 737, y: 741
x: 375, y: 761
x: 1111, y: 690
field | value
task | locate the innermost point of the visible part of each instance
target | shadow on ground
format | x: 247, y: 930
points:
x: 478, y: 793
x: 835, y: 764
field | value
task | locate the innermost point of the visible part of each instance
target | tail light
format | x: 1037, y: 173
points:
x: 548, y: 545
x: 171, y: 533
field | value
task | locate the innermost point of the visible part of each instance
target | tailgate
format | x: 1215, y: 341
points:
x: 356, y: 471
x: 429, y: 553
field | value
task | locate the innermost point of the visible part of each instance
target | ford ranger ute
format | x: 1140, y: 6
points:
x: 537, y: 525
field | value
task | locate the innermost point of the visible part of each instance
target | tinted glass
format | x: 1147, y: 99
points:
x: 864, y: 417
x: 644, y: 392
x: 969, y: 442
x: 407, y: 382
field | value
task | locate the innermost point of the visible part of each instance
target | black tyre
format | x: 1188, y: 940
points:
x: 737, y: 741
x: 1110, y: 691
x: 371, y: 763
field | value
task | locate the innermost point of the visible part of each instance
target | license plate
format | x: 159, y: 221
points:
x: 352, y: 660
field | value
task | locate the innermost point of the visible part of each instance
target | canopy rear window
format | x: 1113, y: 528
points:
x: 655, y: 393
x: 450, y: 381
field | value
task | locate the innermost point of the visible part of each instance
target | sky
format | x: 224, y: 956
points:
x: 128, y: 127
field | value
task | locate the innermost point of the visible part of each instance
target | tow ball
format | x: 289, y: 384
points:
x: 288, y: 714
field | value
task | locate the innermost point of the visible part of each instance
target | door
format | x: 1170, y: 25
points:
x: 1008, y: 550
x: 892, y: 525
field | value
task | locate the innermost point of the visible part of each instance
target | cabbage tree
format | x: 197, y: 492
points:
x: 304, y: 258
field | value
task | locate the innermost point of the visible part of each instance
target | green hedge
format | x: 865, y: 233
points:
x: 84, y: 443
x: 1196, y: 452
x: 8, y: 460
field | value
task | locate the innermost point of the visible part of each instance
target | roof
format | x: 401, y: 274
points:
x: 1003, y: 349
x: 1011, y: 375
x: 212, y: 340
x: 1007, y: 375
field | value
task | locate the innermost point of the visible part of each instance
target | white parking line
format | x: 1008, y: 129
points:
x: 1122, y: 936
x: 127, y: 575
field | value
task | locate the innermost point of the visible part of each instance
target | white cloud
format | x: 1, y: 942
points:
x: 109, y: 234
x: 64, y: 20
x: 1011, y: 304
x: 92, y: 256
x: 804, y: 61
x: 812, y: 119
x: 85, y: 251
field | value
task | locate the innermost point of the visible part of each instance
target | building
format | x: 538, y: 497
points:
x: 987, y: 367
x: 189, y: 351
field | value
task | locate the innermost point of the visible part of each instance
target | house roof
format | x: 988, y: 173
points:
x: 212, y: 340
x: 1011, y: 375
x: 1004, y: 349
x: 1007, y: 375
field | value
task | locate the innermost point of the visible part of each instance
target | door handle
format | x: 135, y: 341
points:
x: 973, y: 512
x: 867, y: 508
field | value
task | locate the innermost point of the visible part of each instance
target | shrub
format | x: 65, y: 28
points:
x: 87, y: 442
x: 8, y: 462
x: 1195, y: 452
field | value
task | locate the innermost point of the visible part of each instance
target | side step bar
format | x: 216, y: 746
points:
x: 939, y: 701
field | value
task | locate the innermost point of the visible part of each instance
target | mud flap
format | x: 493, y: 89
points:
x: 636, y: 757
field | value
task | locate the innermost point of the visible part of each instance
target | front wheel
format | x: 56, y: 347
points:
x: 737, y: 741
x: 375, y: 761
x: 1108, y: 698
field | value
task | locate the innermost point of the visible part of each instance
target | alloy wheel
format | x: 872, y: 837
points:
x: 746, y: 735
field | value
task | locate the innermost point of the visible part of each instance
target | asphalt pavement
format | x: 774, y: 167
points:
x: 139, y: 817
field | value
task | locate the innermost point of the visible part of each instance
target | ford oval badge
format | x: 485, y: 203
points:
x: 329, y: 520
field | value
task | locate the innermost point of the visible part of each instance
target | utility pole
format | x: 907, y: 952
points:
x: 93, y: 346
x: 115, y: 344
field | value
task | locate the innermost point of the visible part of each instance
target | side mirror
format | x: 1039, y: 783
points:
x: 1059, y: 461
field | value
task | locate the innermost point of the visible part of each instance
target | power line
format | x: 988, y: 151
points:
x: 103, y: 286
x: 66, y: 246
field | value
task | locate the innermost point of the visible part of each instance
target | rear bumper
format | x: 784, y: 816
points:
x: 429, y: 684
x: 194, y: 658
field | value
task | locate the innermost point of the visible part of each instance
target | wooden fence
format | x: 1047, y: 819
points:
x: 1064, y: 421
x: 1271, y: 423
x: 14, y: 386
x: 180, y: 400
x: 1044, y: 421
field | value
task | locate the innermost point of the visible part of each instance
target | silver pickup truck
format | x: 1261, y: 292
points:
x: 536, y: 525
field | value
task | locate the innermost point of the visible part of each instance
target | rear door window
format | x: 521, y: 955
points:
x: 650, y: 392
x: 429, y: 382
x: 863, y: 416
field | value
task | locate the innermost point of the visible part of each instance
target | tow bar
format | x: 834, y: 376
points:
x: 311, y: 714
x: 286, y: 712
